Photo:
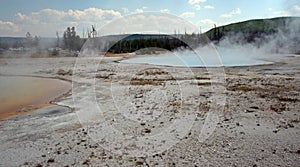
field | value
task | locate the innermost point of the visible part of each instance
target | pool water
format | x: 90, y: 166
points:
x: 22, y: 94
x: 192, y: 59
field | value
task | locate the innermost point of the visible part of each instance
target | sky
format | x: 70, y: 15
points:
x: 46, y: 17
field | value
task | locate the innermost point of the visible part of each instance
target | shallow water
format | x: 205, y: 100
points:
x: 191, y: 59
x: 22, y: 94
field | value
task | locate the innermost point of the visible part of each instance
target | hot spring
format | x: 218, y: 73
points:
x: 22, y: 94
x: 199, y: 59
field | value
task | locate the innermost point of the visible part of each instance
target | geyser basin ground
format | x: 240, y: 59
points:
x: 250, y: 132
x: 22, y: 94
x: 191, y: 59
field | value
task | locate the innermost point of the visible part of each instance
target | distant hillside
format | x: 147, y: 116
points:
x: 253, y: 29
x: 12, y: 40
x: 7, y: 42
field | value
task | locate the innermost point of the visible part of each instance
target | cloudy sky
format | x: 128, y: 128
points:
x: 45, y: 17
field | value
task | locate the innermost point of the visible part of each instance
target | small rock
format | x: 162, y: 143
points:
x: 50, y: 160
x: 139, y: 96
x: 86, y: 162
x: 38, y: 165
x: 147, y: 131
x: 226, y: 119
x: 280, y: 107
x: 249, y: 111
x: 254, y: 107
x: 138, y: 163
x: 291, y: 125
x: 282, y: 121
x: 227, y: 156
x: 63, y: 72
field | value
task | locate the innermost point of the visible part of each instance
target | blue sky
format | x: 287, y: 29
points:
x: 19, y: 16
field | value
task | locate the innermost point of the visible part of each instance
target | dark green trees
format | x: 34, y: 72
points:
x: 71, y: 40
x: 131, y: 45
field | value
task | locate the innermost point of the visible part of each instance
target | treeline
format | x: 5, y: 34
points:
x: 168, y: 42
x: 128, y: 46
x: 248, y: 35
x: 71, y: 40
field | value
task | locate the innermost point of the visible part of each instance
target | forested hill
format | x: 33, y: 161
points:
x: 253, y: 29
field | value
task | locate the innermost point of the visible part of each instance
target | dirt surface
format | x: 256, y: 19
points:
x: 258, y: 125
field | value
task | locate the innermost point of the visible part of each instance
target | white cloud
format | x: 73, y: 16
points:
x: 198, y: 7
x: 292, y: 11
x: 193, y: 2
x: 282, y: 12
x: 125, y: 10
x: 226, y: 15
x: 196, y: 3
x: 188, y: 15
x: 47, y: 16
x: 232, y: 13
x: 296, y: 8
x: 7, y: 27
x: 208, y: 7
x: 47, y: 21
x: 149, y: 23
x: 139, y: 11
x: 237, y: 11
x: 165, y: 11
x: 206, y: 24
